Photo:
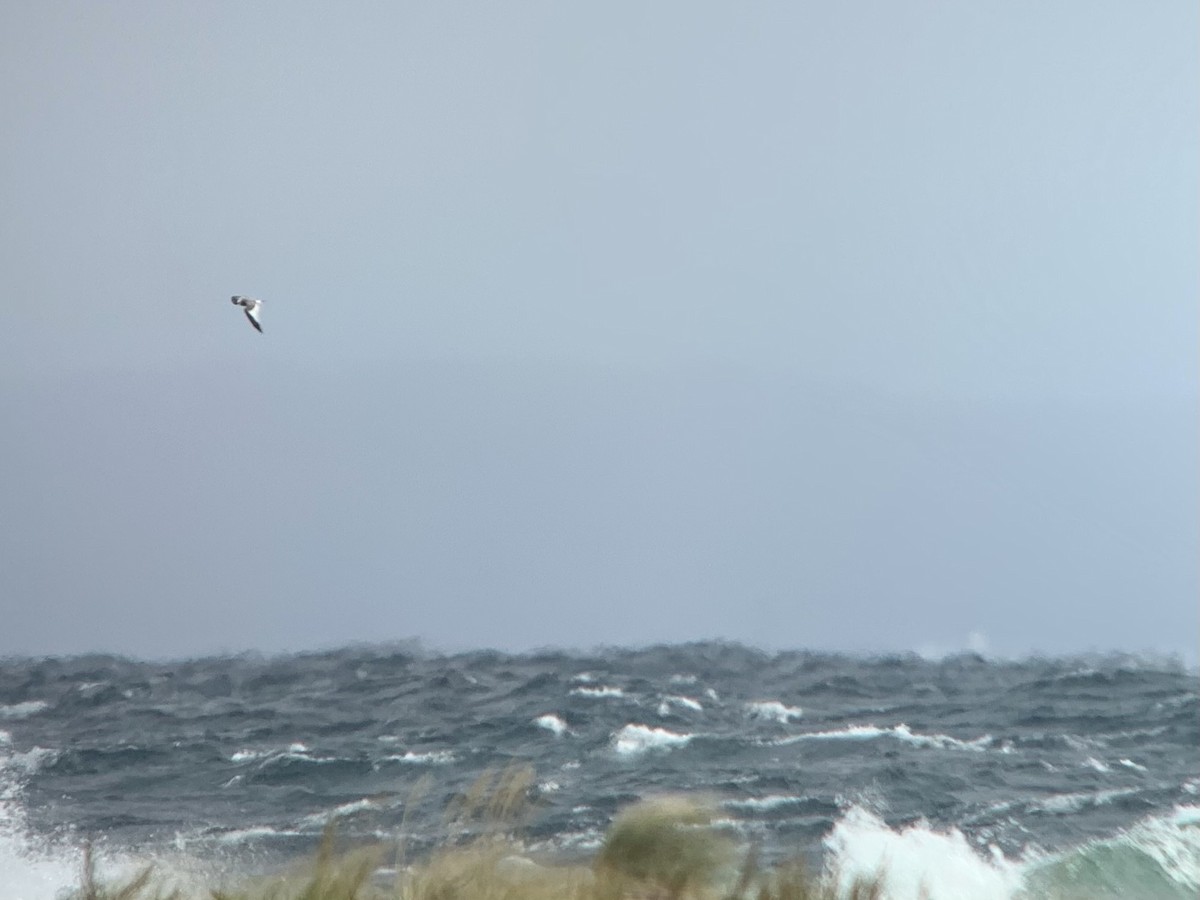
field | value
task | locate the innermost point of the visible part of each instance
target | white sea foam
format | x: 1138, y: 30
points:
x: 1082, y: 744
x: 321, y: 819
x: 664, y: 706
x: 1092, y: 763
x: 916, y: 862
x: 23, y: 710
x: 773, y: 711
x: 254, y: 833
x: 1065, y: 804
x: 24, y: 763
x: 1130, y: 764
x: 551, y: 723
x: 292, y: 751
x: 1186, y: 816
x: 32, y: 869
x: 1174, y: 843
x: 899, y: 732
x: 429, y: 758
x: 764, y: 804
x: 1157, y: 857
x: 635, y: 739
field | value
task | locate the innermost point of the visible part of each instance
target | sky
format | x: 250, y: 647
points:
x: 863, y: 327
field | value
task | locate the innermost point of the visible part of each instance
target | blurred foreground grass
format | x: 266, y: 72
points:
x: 661, y: 849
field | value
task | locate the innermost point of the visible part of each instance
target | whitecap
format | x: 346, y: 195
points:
x: 899, y: 732
x: 1186, y: 816
x: 254, y: 833
x: 764, y: 804
x: 1065, y: 804
x: 1130, y: 764
x: 1170, y: 844
x: 23, y: 710
x: 28, y: 761
x: 635, y: 739
x: 773, y: 711
x: 1082, y: 744
x: 32, y: 867
x: 551, y: 723
x: 430, y: 757
x: 664, y: 706
x: 321, y: 819
x: 916, y: 861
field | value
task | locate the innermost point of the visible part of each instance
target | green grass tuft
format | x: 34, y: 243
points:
x: 668, y: 845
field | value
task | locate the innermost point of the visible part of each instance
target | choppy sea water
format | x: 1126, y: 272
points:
x: 963, y: 777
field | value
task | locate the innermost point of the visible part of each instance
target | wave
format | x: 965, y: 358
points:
x: 255, y: 833
x: 321, y: 819
x: 899, y: 732
x: 32, y: 868
x: 633, y: 740
x: 767, y: 804
x: 428, y: 757
x: 1157, y: 858
x: 292, y: 751
x: 666, y: 704
x: 773, y: 711
x: 23, y: 710
x: 916, y: 862
x: 551, y: 723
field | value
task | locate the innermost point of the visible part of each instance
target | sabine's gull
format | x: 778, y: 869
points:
x: 251, y: 308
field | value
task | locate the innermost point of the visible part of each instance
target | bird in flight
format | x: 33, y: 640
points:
x: 251, y: 308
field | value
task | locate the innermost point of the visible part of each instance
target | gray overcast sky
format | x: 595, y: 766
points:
x: 856, y: 326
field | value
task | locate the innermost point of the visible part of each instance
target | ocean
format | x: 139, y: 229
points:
x: 960, y: 777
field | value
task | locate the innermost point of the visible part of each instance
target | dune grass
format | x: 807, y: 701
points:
x: 660, y: 849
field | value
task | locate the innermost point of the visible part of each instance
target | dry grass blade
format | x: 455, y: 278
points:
x: 133, y: 889
x: 662, y: 849
x: 496, y: 801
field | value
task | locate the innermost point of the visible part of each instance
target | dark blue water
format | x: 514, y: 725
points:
x: 1003, y: 769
